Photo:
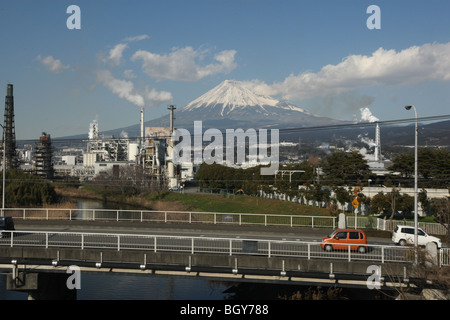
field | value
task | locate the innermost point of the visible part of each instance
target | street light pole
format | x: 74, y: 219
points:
x: 415, y: 181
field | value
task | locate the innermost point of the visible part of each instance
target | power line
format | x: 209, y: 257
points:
x: 285, y: 130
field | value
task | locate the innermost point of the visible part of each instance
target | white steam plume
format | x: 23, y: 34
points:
x: 367, y: 116
x: 126, y: 90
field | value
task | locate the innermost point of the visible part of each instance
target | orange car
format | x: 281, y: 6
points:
x: 340, y: 239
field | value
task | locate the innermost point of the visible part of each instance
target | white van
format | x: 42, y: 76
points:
x: 403, y: 235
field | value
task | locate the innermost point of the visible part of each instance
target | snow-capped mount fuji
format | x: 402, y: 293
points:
x: 232, y: 104
x: 232, y: 97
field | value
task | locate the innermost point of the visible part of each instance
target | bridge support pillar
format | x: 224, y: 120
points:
x: 41, y: 286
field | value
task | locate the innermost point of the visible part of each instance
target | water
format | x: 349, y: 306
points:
x: 114, y: 286
x: 147, y: 287
x: 109, y: 286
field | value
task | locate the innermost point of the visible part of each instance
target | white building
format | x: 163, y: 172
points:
x: 69, y: 160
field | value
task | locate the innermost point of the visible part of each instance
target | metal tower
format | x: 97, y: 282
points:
x: 9, y: 138
x: 43, y: 157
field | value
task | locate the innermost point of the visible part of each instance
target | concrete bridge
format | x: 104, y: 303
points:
x: 29, y: 254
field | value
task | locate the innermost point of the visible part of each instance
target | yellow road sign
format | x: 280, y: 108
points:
x: 355, y: 203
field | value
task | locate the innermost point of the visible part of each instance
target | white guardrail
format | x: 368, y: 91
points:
x: 172, y: 216
x: 194, y: 244
x: 211, y: 245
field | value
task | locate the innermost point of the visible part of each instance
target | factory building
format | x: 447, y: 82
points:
x: 148, y: 152
x: 151, y: 152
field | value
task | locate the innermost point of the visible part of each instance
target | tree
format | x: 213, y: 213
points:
x: 404, y: 164
x: 343, y: 168
x: 433, y: 167
x: 392, y: 199
x: 25, y: 189
x: 379, y: 204
x: 406, y: 203
x: 342, y: 195
x: 122, y: 180
x: 422, y: 197
x: 440, y: 208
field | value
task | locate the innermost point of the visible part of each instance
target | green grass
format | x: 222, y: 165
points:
x: 208, y: 202
x: 241, y: 204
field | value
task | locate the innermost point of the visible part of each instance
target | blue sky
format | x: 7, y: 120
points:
x: 320, y: 55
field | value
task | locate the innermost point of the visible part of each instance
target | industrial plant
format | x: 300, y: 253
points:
x: 147, y: 159
x: 150, y: 152
x: 147, y: 156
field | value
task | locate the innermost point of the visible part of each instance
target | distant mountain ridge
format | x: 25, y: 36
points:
x: 232, y: 105
x: 231, y: 98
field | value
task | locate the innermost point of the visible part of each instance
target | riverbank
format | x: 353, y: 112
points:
x: 71, y: 196
x: 200, y: 202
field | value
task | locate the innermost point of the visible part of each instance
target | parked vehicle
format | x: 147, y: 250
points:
x: 341, y: 239
x: 176, y: 188
x: 404, y: 235
x: 6, y: 223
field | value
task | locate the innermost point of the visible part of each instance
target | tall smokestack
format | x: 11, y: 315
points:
x: 170, y: 165
x: 142, y: 125
x: 377, y: 143
x: 171, y: 108
x: 9, y: 142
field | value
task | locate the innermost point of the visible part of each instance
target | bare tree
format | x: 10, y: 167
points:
x: 440, y: 207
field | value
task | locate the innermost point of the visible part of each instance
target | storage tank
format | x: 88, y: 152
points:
x: 133, y: 151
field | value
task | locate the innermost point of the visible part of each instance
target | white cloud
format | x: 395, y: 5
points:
x: 182, y: 64
x: 52, y: 64
x: 129, y: 74
x: 154, y: 97
x: 136, y: 38
x: 126, y: 90
x: 115, y: 54
x: 413, y: 65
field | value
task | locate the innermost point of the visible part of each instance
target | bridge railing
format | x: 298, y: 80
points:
x: 171, y: 216
x: 211, y: 245
x: 444, y: 257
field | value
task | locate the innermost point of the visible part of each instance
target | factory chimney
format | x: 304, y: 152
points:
x: 171, y: 108
x: 377, y: 143
x: 142, y: 125
x: 170, y: 165
x: 9, y: 137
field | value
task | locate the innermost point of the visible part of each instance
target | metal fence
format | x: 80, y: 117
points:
x: 171, y: 216
x: 444, y: 257
x: 211, y: 245
x: 389, y: 225
x: 431, y: 228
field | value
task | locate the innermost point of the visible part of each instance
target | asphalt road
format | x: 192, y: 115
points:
x: 181, y: 229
